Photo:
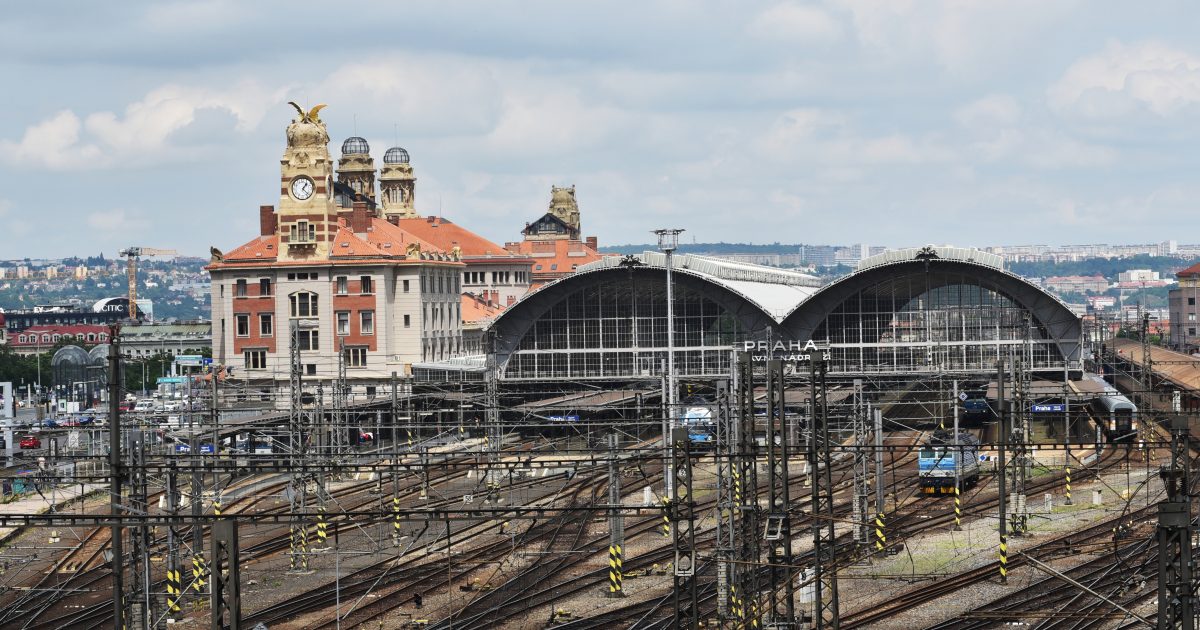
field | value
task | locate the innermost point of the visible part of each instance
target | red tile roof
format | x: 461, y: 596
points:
x: 347, y: 244
x: 261, y: 248
x: 447, y: 235
x: 556, y: 258
x: 1194, y: 270
x: 475, y: 308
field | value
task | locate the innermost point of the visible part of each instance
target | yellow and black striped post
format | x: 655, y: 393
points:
x: 462, y: 433
x: 199, y: 572
x: 735, y: 605
x: 410, y: 437
x: 322, y: 527
x: 880, y: 539
x: 666, y: 524
x: 217, y: 505
x: 1068, y: 502
x: 616, y: 574
x: 1003, y: 559
x: 174, y: 594
x: 395, y: 521
x: 957, y: 508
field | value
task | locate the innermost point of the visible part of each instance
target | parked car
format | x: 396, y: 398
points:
x: 172, y: 406
x: 144, y: 406
x: 31, y: 441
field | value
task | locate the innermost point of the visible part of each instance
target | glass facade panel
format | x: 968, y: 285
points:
x: 939, y: 321
x: 619, y: 329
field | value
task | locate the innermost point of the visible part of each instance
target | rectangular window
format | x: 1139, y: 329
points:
x: 1191, y: 301
x: 255, y: 359
x: 303, y: 304
x: 1192, y: 331
x: 310, y: 369
x: 364, y: 282
x: 1191, y: 317
x: 342, y: 285
x: 308, y: 339
x: 239, y: 288
x: 406, y: 286
x: 241, y: 323
x: 343, y: 322
x: 264, y: 286
x: 367, y: 322
x: 356, y: 356
x: 266, y: 324
x: 291, y: 276
x: 407, y: 320
x: 303, y: 232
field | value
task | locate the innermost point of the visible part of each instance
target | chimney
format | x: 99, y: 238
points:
x: 360, y: 218
x: 266, y: 220
x: 394, y: 219
x: 591, y: 242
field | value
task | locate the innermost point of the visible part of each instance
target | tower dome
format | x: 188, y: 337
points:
x: 355, y: 145
x: 395, y: 155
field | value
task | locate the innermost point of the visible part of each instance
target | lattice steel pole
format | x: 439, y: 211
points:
x: 139, y: 597
x: 174, y: 580
x: 724, y: 455
x: 298, y: 427
x: 616, y: 523
x: 682, y: 506
x: 1176, y: 589
x: 745, y: 493
x: 1019, y: 435
x: 116, y: 474
x: 862, y: 466
x: 824, y: 537
x: 778, y: 532
x: 226, y: 591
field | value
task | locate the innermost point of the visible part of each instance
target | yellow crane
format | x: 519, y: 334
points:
x: 132, y: 254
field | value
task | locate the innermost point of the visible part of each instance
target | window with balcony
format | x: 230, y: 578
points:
x: 303, y: 232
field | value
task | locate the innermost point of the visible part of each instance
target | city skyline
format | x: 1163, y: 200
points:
x: 825, y: 122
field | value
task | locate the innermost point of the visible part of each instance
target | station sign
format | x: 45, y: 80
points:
x: 570, y: 418
x: 1059, y: 408
x: 786, y: 350
x: 189, y: 360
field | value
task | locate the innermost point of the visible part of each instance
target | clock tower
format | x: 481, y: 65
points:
x: 307, y: 215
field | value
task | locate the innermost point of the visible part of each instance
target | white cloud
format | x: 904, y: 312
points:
x: 142, y: 135
x: 54, y: 144
x: 1124, y: 79
x: 990, y: 111
x: 796, y: 24
x: 114, y: 220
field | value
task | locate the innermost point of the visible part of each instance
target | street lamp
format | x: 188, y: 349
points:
x: 668, y: 242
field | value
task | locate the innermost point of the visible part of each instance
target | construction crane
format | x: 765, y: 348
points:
x: 132, y: 254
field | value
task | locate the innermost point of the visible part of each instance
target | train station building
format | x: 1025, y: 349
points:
x: 919, y: 311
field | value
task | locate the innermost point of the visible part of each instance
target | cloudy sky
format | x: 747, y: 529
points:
x: 882, y: 121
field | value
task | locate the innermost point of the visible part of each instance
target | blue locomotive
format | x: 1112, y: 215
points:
x: 944, y: 454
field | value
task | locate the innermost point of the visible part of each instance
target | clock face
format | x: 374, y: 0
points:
x: 302, y: 188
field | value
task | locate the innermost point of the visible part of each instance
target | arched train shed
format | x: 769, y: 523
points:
x: 933, y: 309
